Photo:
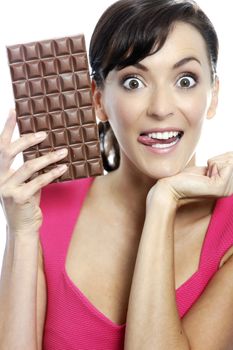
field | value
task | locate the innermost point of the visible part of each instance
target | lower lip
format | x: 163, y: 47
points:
x: 162, y: 150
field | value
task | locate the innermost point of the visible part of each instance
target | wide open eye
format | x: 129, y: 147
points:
x: 132, y: 83
x: 187, y: 82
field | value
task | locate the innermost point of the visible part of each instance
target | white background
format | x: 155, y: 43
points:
x: 24, y: 21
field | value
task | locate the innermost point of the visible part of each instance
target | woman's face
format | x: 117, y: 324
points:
x: 157, y: 108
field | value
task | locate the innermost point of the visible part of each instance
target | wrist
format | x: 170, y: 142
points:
x: 23, y: 235
x: 162, y: 195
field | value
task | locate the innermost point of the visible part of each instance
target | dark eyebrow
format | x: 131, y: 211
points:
x: 141, y: 66
x: 176, y: 65
x: 184, y: 61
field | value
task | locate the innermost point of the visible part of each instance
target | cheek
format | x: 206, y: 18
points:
x: 195, y: 107
x: 123, y: 110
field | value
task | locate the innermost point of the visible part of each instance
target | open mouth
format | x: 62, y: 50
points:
x: 161, y: 140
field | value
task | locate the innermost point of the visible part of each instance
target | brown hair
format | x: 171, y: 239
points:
x: 130, y: 30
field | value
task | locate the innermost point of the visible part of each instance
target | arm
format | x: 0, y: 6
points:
x: 152, y: 319
x: 20, y: 323
x: 18, y: 291
x: 22, y: 284
x: 153, y: 322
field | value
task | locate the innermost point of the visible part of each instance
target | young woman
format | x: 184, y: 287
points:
x: 140, y: 258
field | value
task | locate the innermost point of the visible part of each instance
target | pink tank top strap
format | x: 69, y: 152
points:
x: 219, y: 238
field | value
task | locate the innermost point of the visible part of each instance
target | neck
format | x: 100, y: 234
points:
x: 127, y: 179
x: 131, y: 185
x: 129, y: 188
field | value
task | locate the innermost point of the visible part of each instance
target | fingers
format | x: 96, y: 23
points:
x: 8, y: 128
x: 225, y: 157
x: 219, y: 162
x: 21, y: 192
x: 24, y: 193
x: 26, y: 141
x: 9, y: 151
x: 212, y: 170
x: 32, y: 166
x: 220, y: 169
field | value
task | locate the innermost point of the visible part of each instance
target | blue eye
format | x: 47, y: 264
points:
x: 132, y: 83
x: 187, y: 82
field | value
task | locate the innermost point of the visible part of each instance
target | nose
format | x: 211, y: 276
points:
x: 161, y: 104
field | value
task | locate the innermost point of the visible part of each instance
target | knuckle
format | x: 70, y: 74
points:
x: 13, y: 196
x: 229, y: 154
x: 5, y: 185
x: 51, y: 155
x: 5, y: 193
x: 16, y: 197
x: 21, y: 196
x: 22, y: 199
x: 43, y: 180
x: 27, y: 140
x: 40, y: 180
x: 28, y: 165
x: 210, y: 160
x: 31, y: 140
x: 4, y: 151
x: 49, y: 158
x: 27, y: 137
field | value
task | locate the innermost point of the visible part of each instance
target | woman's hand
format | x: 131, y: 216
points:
x: 20, y: 200
x: 214, y: 180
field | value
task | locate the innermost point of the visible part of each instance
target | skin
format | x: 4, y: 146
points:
x: 22, y: 283
x: 148, y: 180
x: 159, y: 102
x: 169, y: 181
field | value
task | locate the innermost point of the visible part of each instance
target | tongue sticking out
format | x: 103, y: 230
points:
x: 145, y: 139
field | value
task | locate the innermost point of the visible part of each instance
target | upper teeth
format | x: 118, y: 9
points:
x: 163, y: 135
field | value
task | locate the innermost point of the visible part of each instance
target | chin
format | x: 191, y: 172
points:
x: 163, y: 172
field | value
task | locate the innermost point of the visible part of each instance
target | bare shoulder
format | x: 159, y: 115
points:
x: 209, y: 323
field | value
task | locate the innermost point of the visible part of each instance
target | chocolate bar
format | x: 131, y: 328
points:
x: 52, y: 91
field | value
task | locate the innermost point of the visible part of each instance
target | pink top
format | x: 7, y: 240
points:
x: 72, y: 321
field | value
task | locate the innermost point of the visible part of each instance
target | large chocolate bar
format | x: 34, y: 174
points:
x: 52, y: 90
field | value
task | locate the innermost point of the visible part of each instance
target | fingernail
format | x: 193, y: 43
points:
x: 40, y: 135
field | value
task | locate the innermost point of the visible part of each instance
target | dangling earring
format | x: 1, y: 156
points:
x: 109, y: 146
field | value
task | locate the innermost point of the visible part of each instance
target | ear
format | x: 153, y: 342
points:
x: 214, y: 100
x: 97, y: 94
